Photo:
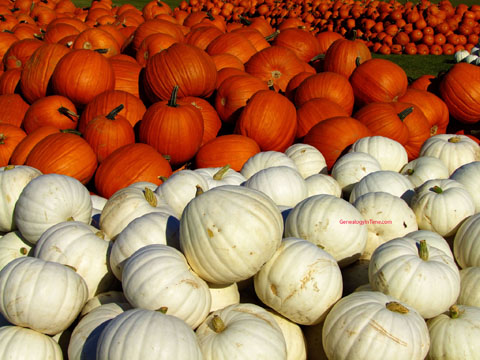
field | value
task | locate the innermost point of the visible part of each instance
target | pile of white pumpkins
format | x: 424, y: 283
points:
x: 471, y: 57
x: 380, y: 259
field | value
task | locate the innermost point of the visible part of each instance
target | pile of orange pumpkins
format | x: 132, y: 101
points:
x: 111, y: 95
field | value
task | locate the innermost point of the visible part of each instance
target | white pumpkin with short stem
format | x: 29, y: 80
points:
x: 469, y: 176
x: 466, y: 246
x: 301, y: 281
x: 331, y: 223
x: 433, y: 239
x: 369, y: 325
x: 441, y: 205
x: 48, y: 200
x: 387, y: 181
x: 158, y: 276
x: 284, y: 185
x: 387, y: 217
x: 390, y: 154
x: 416, y: 273
x: 241, y: 331
x: 293, y: 335
x: 352, y: 167
x: 454, y: 334
x: 223, y: 296
x: 164, y: 337
x: 180, y: 188
x: 85, y: 335
x: 453, y: 150
x: 107, y: 297
x: 318, y: 184
x: 13, y: 246
x: 265, y: 159
x: 17, y: 342
x: 308, y: 159
x: 13, y: 179
x: 425, y: 168
x: 218, y: 176
x: 128, y: 204
x: 469, y: 285
x: 59, y: 294
x: 151, y: 228
x: 82, y: 247
x: 228, y: 233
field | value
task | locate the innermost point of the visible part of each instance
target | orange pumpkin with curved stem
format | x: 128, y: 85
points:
x: 155, y: 7
x: 344, y: 55
x: 98, y: 40
x: 10, y: 136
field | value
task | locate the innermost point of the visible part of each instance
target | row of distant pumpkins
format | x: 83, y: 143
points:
x: 277, y: 260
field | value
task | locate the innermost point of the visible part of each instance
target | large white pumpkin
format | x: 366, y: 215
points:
x: 12, y: 246
x: 217, y: 176
x: 12, y: 181
x: 390, y: 154
x: 425, y: 168
x: 162, y: 337
x: 308, y: 159
x: 228, y: 233
x: 331, y: 223
x: 466, y: 246
x: 369, y: 325
x: 441, y: 205
x: 416, y: 273
x: 241, y: 331
x: 111, y: 296
x: 469, y: 285
x: 48, y: 200
x: 469, y: 176
x: 433, y: 239
x: 265, y: 159
x: 318, y: 184
x: 157, y: 276
x: 301, y: 282
x: 42, y: 295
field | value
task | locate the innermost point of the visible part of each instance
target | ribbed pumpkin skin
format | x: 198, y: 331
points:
x: 341, y: 56
x: 129, y: 164
x: 38, y: 70
x: 9, y: 81
x: 65, y: 154
x: 19, y: 52
x: 327, y: 38
x: 459, y: 88
x: 270, y: 119
x: 19, y: 155
x: 211, y: 120
x: 303, y: 43
x: 233, y: 150
x: 184, y: 65
x: 12, y: 109
x: 81, y: 75
x: 127, y: 75
x: 10, y: 136
x: 232, y: 43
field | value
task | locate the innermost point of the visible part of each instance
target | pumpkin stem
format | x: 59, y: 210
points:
x: 218, y: 324
x: 101, y: 51
x: 272, y: 35
x: 244, y: 20
x: 167, y: 157
x: 67, y: 112
x: 396, y: 307
x: 2, y: 139
x: 163, y: 309
x: 358, y: 61
x: 210, y: 16
x: 9, y: 167
x: 437, y: 189
x: 410, y: 171
x: 199, y: 190
x: 221, y: 173
x: 100, y: 234
x: 423, y: 250
x: 112, y: 114
x: 404, y: 113
x: 23, y: 251
x: 163, y: 178
x: 71, y: 131
x: 317, y: 57
x: 454, y: 139
x: 173, y: 98
x: 150, y: 197
x: 70, y: 219
x: 455, y: 312
x: 433, y: 130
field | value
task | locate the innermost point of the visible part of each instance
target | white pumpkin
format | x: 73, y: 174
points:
x: 217, y: 176
x: 98, y: 202
x: 301, y: 282
x: 158, y: 276
x: 385, y: 180
x: 293, y: 335
x: 469, y: 176
x: 352, y: 167
x: 223, y: 296
x: 331, y: 223
x: 142, y: 185
x: 17, y: 342
x: 284, y: 185
x: 440, y: 205
x: 466, y: 246
x: 471, y: 58
x: 387, y: 217
x: 59, y: 294
x: 85, y: 335
x: 469, y: 285
x: 416, y: 273
x: 323, y: 184
x: 433, y: 239
x: 453, y: 150
x: 48, y: 200
x: 13, y: 246
x: 454, y: 334
x: 180, y: 188
x: 228, y: 233
x: 151, y: 228
x: 371, y: 325
x: 163, y: 337
x: 308, y: 159
x: 13, y: 178
x: 460, y: 55
x: 82, y: 247
x: 390, y: 154
x: 425, y: 168
x: 241, y: 331
x: 128, y: 204
x: 112, y: 296
x: 265, y: 159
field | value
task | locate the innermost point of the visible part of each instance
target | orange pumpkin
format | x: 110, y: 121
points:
x: 12, y: 109
x: 23, y: 148
x: 344, y: 55
x: 10, y: 136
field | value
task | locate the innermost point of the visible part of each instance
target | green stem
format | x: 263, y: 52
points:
x: 67, y: 112
x: 423, y: 250
x: 221, y: 173
x: 112, y: 114
x: 454, y: 311
x: 404, y: 113
x: 173, y: 98
x: 218, y: 324
x: 150, y: 197
x: 437, y: 189
x: 396, y: 307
